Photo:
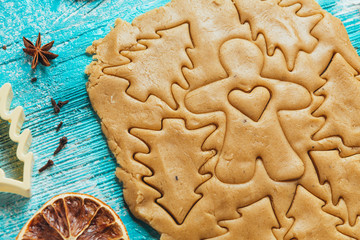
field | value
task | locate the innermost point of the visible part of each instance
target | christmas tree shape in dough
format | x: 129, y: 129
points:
x: 343, y: 175
x: 144, y: 78
x: 176, y: 174
x: 256, y: 222
x: 320, y: 226
x: 342, y: 102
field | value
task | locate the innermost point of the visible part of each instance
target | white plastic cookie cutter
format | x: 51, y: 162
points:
x: 16, y: 119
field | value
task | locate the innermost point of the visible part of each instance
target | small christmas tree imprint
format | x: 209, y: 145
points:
x: 341, y: 104
x: 343, y: 174
x: 320, y: 226
x: 256, y: 222
x: 175, y: 173
x: 294, y: 31
x: 161, y: 72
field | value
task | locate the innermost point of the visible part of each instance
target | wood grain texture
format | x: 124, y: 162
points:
x: 85, y: 165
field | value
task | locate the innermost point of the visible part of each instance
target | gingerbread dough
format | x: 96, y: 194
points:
x: 234, y: 119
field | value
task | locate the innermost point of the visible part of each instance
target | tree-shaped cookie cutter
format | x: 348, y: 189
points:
x: 16, y: 119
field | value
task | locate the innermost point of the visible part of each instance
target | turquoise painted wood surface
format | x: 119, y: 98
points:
x: 85, y: 165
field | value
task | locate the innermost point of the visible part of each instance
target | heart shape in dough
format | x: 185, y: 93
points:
x: 252, y: 104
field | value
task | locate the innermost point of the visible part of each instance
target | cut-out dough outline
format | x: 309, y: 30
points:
x: 207, y: 175
x: 143, y: 47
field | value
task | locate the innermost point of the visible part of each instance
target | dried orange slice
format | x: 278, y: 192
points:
x: 74, y: 216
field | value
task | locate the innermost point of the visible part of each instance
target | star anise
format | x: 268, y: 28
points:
x: 39, y: 54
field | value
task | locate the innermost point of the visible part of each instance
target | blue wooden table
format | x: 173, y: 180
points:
x: 85, y: 165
